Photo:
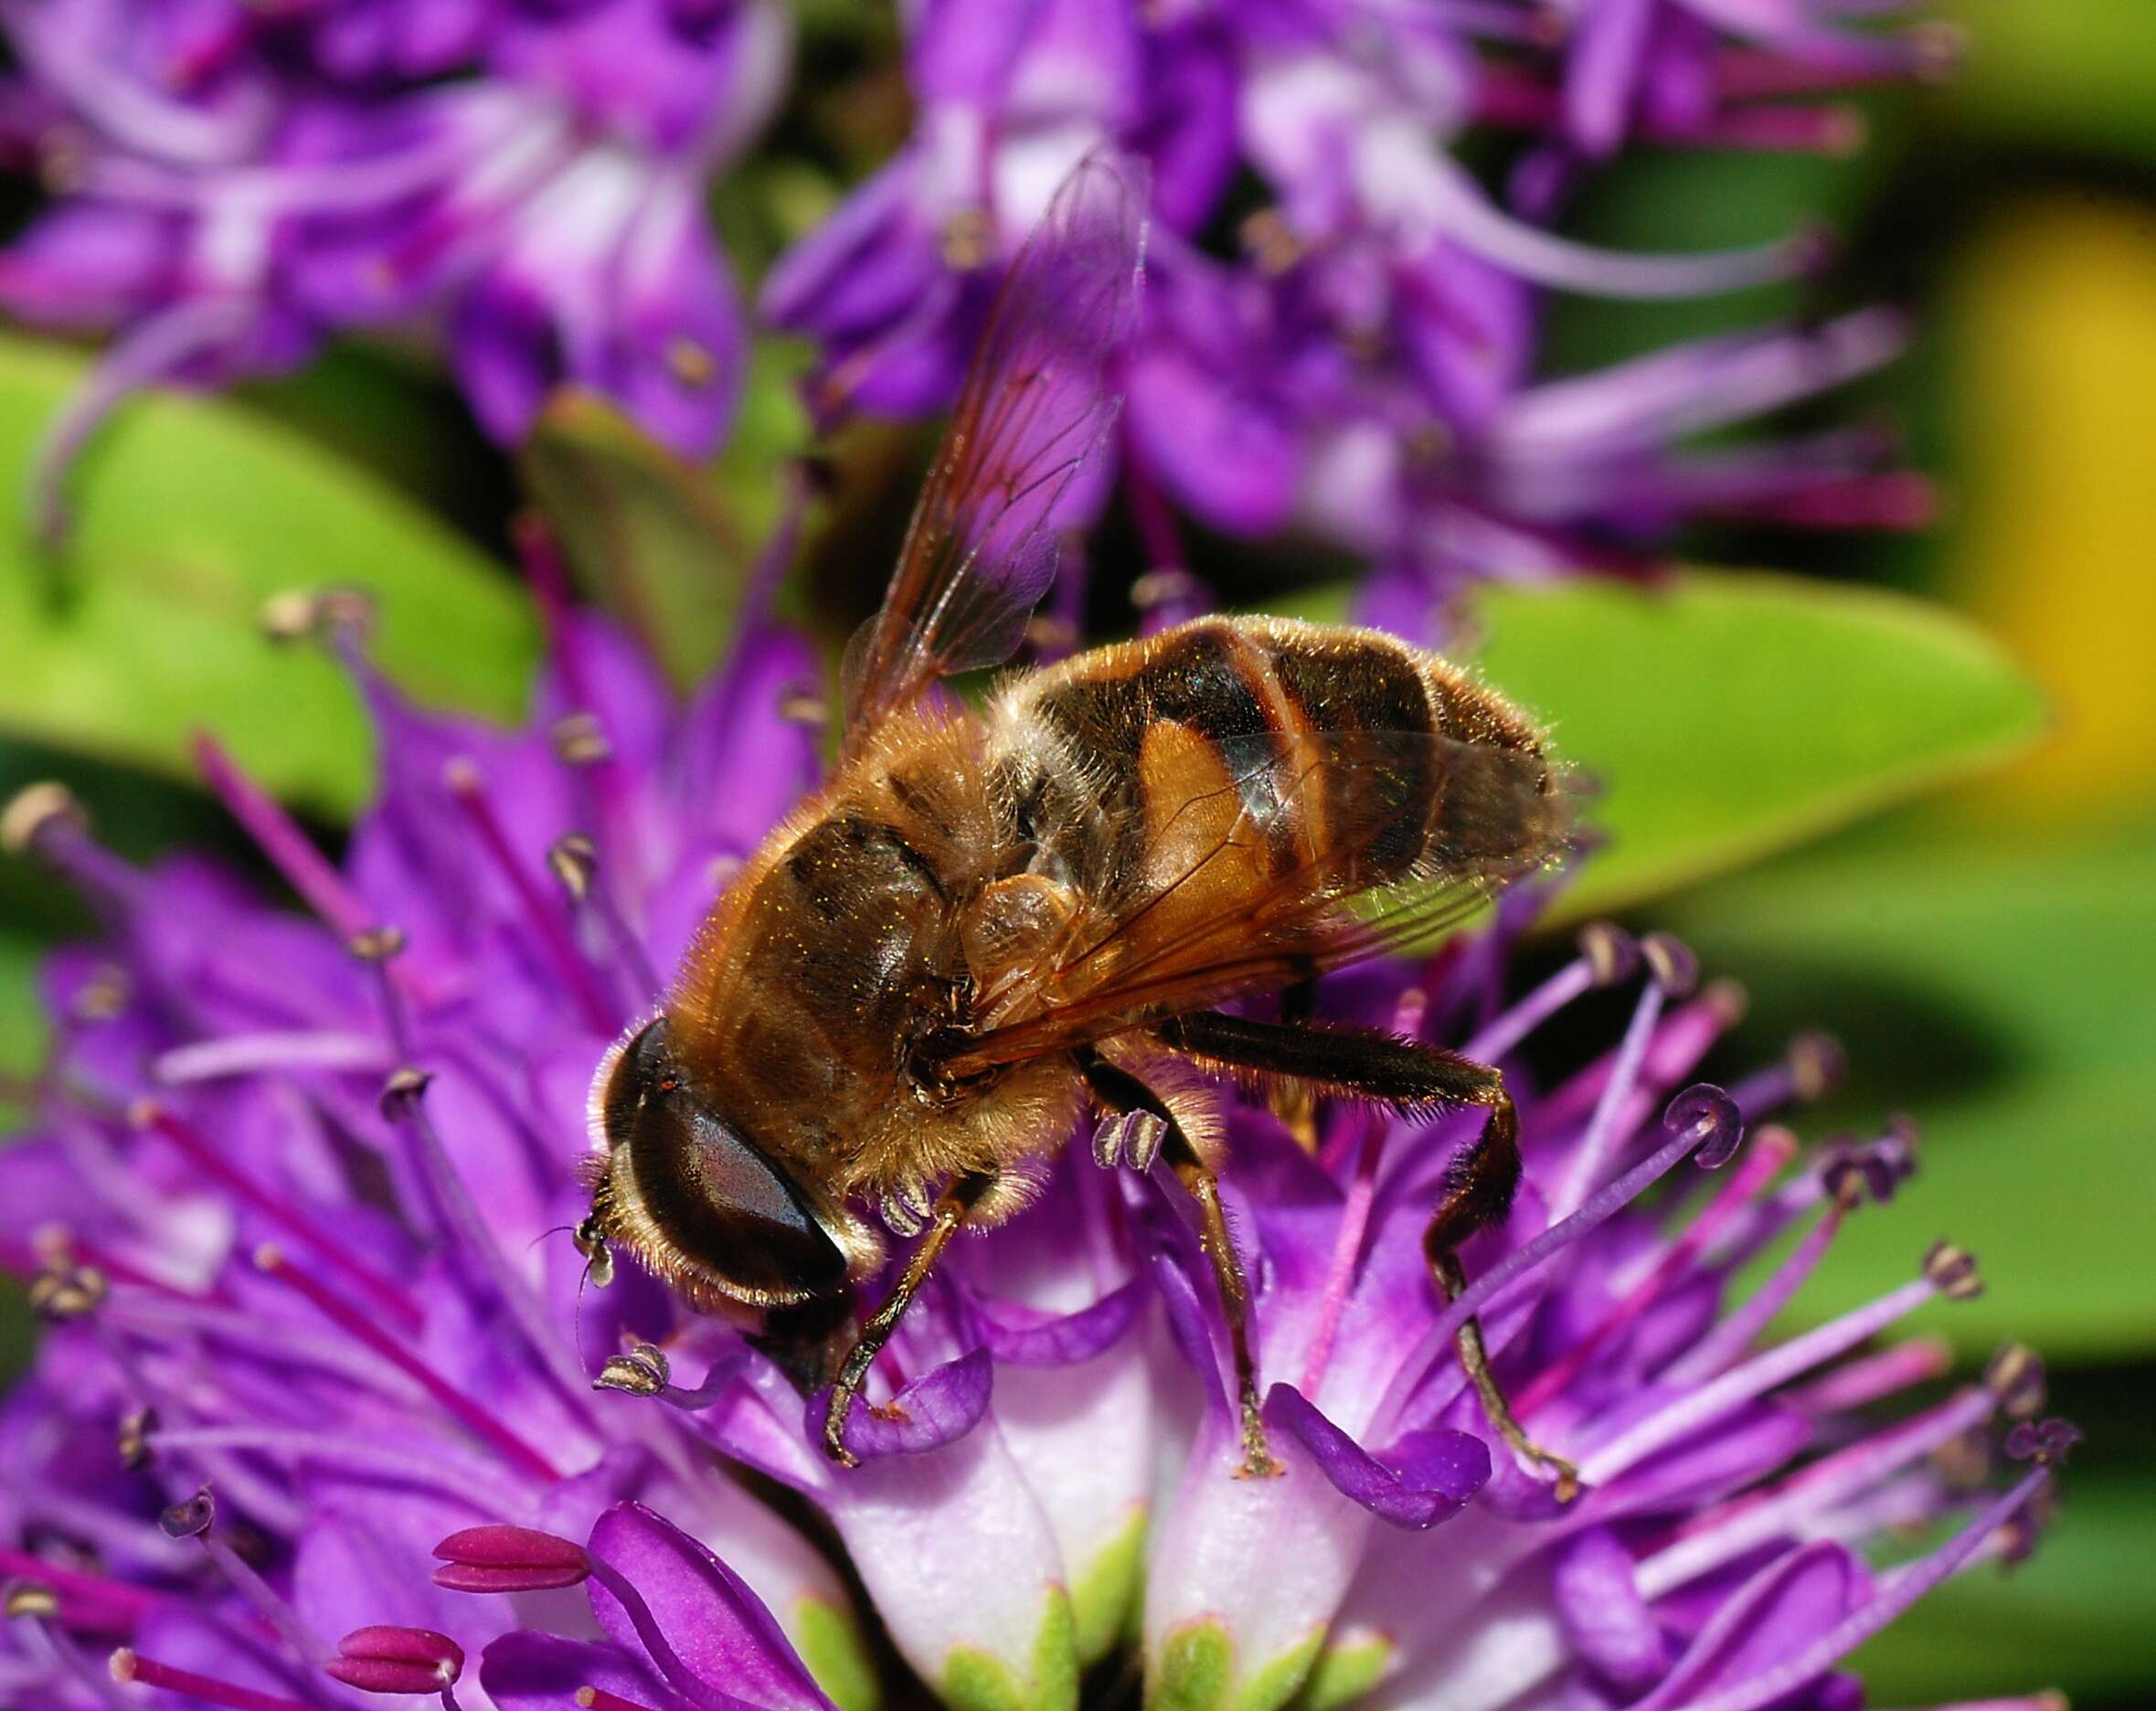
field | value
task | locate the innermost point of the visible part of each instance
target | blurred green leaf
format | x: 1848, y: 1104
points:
x: 190, y: 512
x: 2000, y: 994
x: 662, y: 545
x: 1727, y: 715
x: 21, y: 1029
x: 2078, y: 1616
x: 2065, y: 71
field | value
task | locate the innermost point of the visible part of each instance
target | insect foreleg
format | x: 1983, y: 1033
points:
x: 1119, y: 1091
x: 1479, y: 1186
x: 949, y: 1212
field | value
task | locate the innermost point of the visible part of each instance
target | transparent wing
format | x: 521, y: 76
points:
x: 1037, y: 408
x: 1312, y: 855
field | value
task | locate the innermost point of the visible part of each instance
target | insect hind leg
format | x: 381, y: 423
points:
x: 1119, y: 1091
x: 1364, y: 1063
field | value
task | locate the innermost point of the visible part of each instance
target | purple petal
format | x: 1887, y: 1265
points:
x: 941, y: 1405
x: 1023, y: 1336
x: 1605, y: 1619
x: 656, y: 1588
x: 542, y: 1672
x: 1771, y: 1620
x: 1426, y: 1477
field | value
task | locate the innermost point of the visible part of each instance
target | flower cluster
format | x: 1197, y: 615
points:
x: 525, y: 179
x: 327, y: 1403
x: 1342, y: 325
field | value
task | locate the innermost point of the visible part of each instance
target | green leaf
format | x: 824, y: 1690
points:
x: 189, y: 512
x: 664, y: 546
x: 1726, y: 715
x: 1998, y: 994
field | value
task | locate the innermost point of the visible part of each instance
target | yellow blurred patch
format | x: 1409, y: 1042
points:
x: 2053, y: 335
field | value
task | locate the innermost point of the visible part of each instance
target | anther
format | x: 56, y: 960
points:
x: 499, y: 1557
x: 1852, y: 1174
x: 690, y: 363
x: 390, y: 1660
x: 135, y: 1451
x: 2047, y: 1442
x: 1727, y: 1001
x: 28, y: 1598
x: 967, y: 240
x: 66, y: 1291
x: 318, y: 614
x: 33, y: 811
x: 1952, y: 1272
x: 801, y: 707
x: 643, y: 1371
x: 1166, y: 587
x: 599, y: 1699
x: 103, y: 995
x: 1706, y: 1112
x: 376, y: 944
x: 2015, y: 1376
x: 574, y: 862
x: 1817, y: 1065
x: 402, y: 1092
x: 580, y: 740
x: 1671, y: 963
x: 1612, y: 954
x: 191, y: 1518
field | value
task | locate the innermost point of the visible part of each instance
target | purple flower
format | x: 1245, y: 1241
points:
x: 235, y: 182
x: 322, y: 1358
x: 1365, y: 368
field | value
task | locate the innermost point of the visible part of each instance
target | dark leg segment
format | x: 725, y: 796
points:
x: 951, y: 1212
x: 1120, y: 1090
x: 1479, y: 1188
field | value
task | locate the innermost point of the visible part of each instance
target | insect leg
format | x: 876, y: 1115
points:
x: 1479, y: 1186
x: 1119, y: 1089
x: 949, y: 1212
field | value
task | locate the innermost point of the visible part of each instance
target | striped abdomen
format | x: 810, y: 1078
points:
x: 1227, y: 756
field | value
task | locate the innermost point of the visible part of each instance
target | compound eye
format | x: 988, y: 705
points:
x: 708, y: 1194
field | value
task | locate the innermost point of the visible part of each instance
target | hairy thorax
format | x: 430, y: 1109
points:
x: 876, y: 926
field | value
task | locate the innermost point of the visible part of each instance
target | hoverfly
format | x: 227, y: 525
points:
x: 989, y: 919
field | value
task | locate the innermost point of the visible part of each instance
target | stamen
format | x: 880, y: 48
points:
x: 1596, y: 1146
x: 280, y: 839
x: 1813, y: 1066
x: 1728, y: 1339
x: 37, y: 1613
x: 474, y: 1235
x: 1772, y: 1148
x: 196, y: 1517
x: 1898, y: 1593
x: 1873, y: 1377
x: 1608, y: 955
x: 390, y: 1660
x: 1755, y: 1378
x: 461, y: 777
x: 1706, y: 1128
x: 212, y: 1163
x: 452, y: 1401
x: 253, y: 1054
x: 46, y: 819
x: 498, y: 1558
x: 133, y: 1601
x: 130, y: 1666
x: 1758, y: 1520
x: 574, y: 861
